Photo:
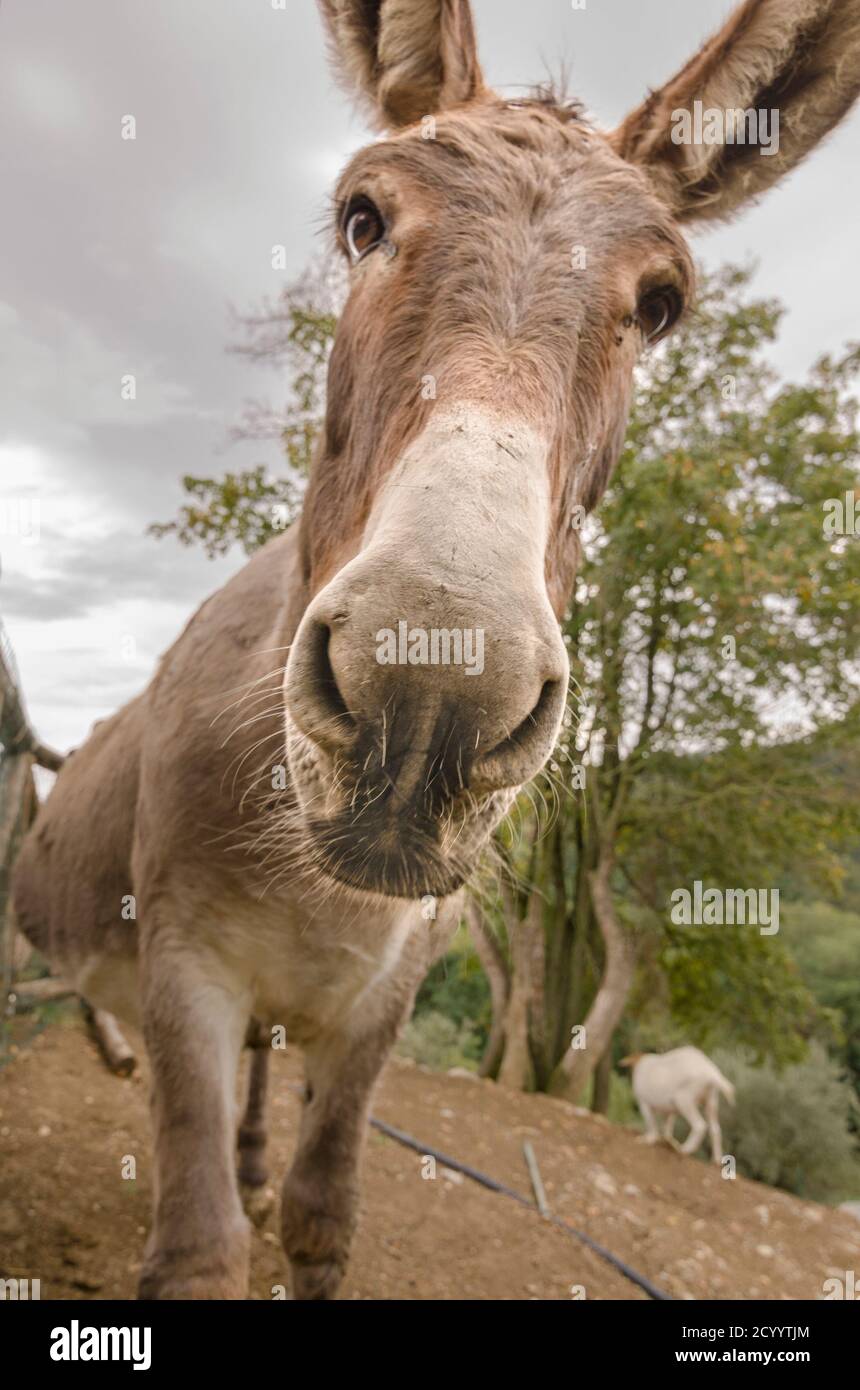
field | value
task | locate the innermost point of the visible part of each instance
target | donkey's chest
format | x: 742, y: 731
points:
x: 312, y: 977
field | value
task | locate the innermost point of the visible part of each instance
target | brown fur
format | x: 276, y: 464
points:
x: 492, y: 207
x: 404, y: 58
x: 455, y: 510
x: 801, y: 57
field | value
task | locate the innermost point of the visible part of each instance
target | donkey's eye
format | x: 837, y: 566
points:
x: 363, y: 227
x: 658, y: 311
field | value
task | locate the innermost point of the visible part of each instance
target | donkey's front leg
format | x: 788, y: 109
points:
x: 320, y: 1195
x: 194, y: 1025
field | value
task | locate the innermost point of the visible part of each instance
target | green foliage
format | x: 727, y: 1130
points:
x: 792, y: 1128
x: 825, y: 942
x: 434, y: 1040
x: 246, y: 508
x: 739, y: 990
x: 713, y: 530
x: 712, y: 614
x: 457, y: 987
x: 622, y: 1109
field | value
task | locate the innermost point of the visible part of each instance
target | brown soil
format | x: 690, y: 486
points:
x: 68, y: 1218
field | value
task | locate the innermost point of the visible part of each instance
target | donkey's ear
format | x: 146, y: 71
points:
x: 404, y: 58
x: 798, y: 58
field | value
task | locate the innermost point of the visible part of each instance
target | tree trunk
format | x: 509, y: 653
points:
x: 578, y: 1064
x: 583, y: 932
x: 495, y: 968
x: 524, y: 1015
x: 560, y: 936
x: 602, y: 1074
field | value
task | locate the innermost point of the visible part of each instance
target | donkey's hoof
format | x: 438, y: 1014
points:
x: 199, y: 1271
x: 316, y: 1242
x: 313, y: 1282
x: 215, y: 1284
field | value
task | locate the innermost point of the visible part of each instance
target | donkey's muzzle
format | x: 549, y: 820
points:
x: 470, y: 705
x: 396, y: 856
x: 432, y: 663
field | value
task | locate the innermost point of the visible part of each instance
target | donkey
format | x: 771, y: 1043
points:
x: 282, y: 873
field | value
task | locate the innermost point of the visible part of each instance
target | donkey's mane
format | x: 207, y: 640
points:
x: 552, y: 96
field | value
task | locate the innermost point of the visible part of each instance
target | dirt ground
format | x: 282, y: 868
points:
x: 69, y: 1218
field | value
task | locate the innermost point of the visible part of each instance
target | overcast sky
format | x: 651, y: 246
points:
x: 123, y: 256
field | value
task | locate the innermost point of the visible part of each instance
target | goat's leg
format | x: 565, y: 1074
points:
x: 194, y: 1025
x: 320, y: 1195
x: 694, y: 1119
x: 652, y: 1133
x: 712, y: 1109
x: 669, y: 1129
x: 252, y: 1131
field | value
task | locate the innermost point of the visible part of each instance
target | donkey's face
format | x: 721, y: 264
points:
x: 508, y: 264
x: 509, y: 267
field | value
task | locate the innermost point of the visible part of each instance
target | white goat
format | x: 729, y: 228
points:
x: 676, y: 1083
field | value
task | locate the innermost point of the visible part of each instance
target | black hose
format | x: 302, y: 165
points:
x: 486, y: 1181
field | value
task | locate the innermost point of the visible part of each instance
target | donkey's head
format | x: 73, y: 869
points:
x: 509, y: 263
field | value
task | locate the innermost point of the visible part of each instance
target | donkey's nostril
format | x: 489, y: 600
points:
x: 313, y: 695
x: 522, y: 754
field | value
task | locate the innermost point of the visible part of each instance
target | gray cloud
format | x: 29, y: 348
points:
x: 82, y: 577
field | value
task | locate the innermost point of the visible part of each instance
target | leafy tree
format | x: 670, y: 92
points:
x: 248, y: 508
x: 825, y: 941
